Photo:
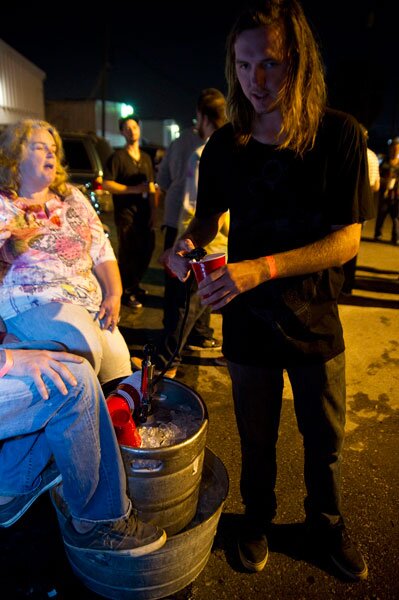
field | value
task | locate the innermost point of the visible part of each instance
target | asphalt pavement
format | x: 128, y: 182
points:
x: 34, y: 564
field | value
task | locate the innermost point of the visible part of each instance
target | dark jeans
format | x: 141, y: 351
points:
x: 136, y: 243
x: 319, y: 401
x: 388, y: 206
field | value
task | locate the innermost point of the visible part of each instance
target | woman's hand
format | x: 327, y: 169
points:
x: 109, y: 277
x: 36, y: 363
x: 108, y: 315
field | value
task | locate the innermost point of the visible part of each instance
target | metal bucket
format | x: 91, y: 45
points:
x: 164, y: 482
x: 172, y: 567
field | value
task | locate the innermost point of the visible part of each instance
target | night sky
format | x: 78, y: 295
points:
x: 159, y: 55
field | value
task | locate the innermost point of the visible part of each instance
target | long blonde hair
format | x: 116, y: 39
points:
x: 302, y: 100
x: 13, y: 142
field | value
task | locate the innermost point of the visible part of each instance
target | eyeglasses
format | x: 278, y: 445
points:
x: 42, y: 147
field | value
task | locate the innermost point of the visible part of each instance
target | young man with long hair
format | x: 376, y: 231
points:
x: 293, y: 174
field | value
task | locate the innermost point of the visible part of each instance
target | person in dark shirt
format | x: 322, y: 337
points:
x: 129, y: 176
x: 294, y: 176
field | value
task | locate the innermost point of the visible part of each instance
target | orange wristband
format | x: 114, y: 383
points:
x: 8, y: 364
x: 272, y: 266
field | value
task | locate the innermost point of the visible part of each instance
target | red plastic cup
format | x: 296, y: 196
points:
x: 209, y: 263
x: 119, y: 410
x: 122, y: 420
x: 127, y: 435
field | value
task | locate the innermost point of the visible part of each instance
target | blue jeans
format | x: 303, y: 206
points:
x: 76, y: 429
x: 319, y: 402
x: 79, y: 332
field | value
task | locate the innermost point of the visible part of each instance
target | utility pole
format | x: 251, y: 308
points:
x: 104, y: 78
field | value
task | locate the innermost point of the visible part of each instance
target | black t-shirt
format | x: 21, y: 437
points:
x: 279, y: 201
x: 122, y: 168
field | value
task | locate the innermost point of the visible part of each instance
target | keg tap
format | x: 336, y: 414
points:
x: 196, y: 254
x: 147, y: 373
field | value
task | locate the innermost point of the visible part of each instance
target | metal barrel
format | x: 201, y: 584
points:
x: 172, y: 567
x: 164, y: 482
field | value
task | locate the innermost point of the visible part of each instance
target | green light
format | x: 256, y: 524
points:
x: 126, y: 110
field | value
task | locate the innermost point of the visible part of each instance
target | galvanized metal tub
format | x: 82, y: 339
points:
x: 170, y: 568
x: 164, y: 482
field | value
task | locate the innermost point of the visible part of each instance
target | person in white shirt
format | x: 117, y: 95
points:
x: 374, y: 178
x: 211, y: 115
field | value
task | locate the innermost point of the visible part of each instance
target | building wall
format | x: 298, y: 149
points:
x: 159, y: 131
x: 21, y: 87
x: 87, y: 116
x: 72, y: 115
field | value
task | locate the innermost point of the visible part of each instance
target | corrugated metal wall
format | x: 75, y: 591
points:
x: 21, y: 87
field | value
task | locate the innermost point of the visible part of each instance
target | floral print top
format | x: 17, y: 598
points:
x: 51, y: 253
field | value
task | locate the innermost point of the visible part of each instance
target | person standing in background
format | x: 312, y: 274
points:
x: 129, y: 176
x: 171, y: 179
x: 388, y: 201
x: 374, y: 179
x: 211, y: 114
x: 374, y: 169
x: 293, y: 174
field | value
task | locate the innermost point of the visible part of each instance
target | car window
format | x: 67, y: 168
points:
x: 76, y: 156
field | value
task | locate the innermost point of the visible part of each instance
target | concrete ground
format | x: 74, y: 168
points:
x: 34, y: 564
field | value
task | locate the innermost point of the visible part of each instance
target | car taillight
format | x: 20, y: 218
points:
x: 98, y: 184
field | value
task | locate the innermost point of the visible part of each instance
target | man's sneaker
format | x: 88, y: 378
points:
x: 204, y: 344
x: 138, y: 362
x: 128, y: 536
x: 252, y: 548
x: 344, y: 554
x: 13, y: 510
x: 133, y: 302
x: 220, y: 361
x: 335, y: 542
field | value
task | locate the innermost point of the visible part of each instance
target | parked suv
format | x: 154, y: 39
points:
x: 85, y: 157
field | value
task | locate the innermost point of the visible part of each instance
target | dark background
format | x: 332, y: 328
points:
x: 159, y: 55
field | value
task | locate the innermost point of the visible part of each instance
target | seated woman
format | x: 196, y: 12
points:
x: 54, y: 425
x: 59, y: 277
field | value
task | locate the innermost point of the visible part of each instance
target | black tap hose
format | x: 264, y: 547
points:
x: 196, y: 254
x: 181, y: 332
